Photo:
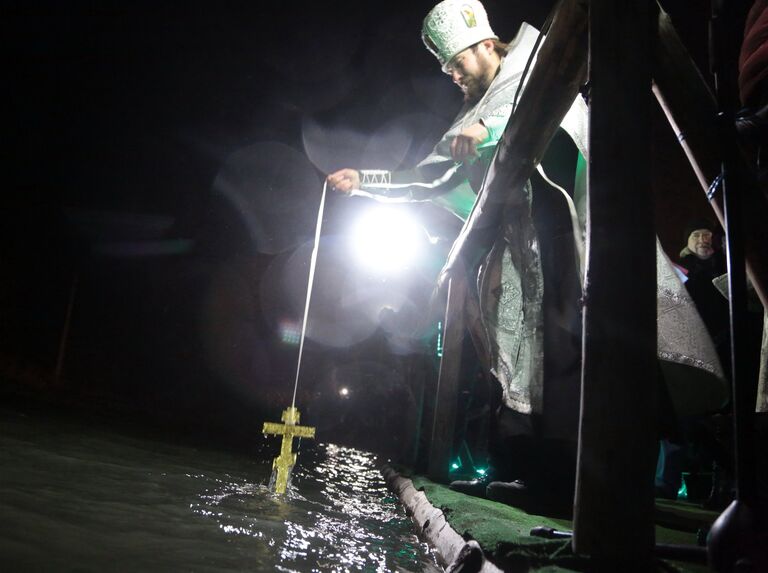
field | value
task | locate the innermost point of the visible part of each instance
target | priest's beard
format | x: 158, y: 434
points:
x: 474, y: 87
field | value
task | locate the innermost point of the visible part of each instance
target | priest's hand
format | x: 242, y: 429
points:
x: 464, y: 145
x: 344, y: 180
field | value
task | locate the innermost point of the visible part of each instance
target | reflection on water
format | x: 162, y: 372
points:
x: 75, y: 498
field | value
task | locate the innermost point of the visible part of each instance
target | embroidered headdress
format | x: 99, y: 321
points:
x: 453, y: 26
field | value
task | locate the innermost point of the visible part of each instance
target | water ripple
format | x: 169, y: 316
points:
x: 336, y: 516
x: 77, y: 498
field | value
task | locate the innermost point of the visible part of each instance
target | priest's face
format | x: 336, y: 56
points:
x: 473, y: 69
x: 700, y: 243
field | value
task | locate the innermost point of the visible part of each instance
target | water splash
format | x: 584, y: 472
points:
x: 78, y: 496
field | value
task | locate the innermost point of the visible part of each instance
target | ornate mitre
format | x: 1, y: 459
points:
x: 453, y: 26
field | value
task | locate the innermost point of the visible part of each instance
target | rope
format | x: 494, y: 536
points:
x: 312, y: 263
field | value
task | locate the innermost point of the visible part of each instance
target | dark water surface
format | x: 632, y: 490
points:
x: 77, y: 497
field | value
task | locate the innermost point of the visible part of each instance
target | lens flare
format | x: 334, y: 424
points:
x: 290, y: 332
x: 387, y: 239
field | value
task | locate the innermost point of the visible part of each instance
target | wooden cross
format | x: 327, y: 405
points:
x: 287, y: 458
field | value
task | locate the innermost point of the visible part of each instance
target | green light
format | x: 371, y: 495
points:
x: 455, y: 466
x: 481, y: 471
x: 682, y: 493
x: 439, y: 349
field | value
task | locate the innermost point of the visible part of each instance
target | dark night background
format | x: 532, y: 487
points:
x: 162, y: 165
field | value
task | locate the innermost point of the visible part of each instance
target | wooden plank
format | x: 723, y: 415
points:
x: 617, y: 439
x: 446, y: 398
x: 452, y: 550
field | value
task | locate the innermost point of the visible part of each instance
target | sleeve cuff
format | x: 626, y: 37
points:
x: 374, y: 178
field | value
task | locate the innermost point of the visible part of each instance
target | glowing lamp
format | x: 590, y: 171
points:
x: 387, y: 239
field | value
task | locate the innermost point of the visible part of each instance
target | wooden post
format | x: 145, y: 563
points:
x: 446, y: 397
x: 613, y: 517
x: 474, y: 322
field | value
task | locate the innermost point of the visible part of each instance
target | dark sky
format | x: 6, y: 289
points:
x: 170, y: 155
x: 134, y: 106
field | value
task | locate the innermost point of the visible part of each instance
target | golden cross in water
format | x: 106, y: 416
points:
x: 287, y: 458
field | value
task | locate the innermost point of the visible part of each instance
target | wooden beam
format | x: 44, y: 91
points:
x: 617, y: 438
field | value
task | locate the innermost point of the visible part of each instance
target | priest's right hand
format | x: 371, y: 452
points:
x: 344, y: 180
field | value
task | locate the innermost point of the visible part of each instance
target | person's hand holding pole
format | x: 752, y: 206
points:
x: 344, y: 180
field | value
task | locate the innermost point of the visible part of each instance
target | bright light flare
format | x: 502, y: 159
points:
x: 385, y: 239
